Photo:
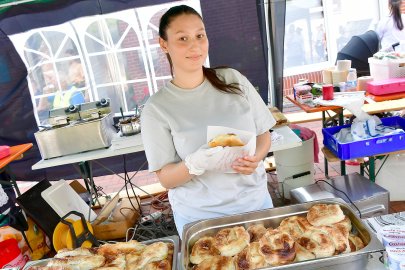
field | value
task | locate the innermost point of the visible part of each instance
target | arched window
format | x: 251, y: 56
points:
x: 115, y: 55
x: 55, y: 72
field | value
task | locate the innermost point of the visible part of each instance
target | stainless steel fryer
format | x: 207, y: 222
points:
x: 272, y: 218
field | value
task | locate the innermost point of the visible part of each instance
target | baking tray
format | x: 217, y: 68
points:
x: 169, y: 239
x: 272, y: 218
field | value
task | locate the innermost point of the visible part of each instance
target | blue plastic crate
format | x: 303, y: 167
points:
x: 369, y: 147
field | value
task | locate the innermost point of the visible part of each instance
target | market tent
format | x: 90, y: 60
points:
x: 235, y: 40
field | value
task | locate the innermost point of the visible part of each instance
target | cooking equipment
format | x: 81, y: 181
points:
x: 77, y: 128
x: 272, y: 218
x: 370, y: 198
x: 130, y: 126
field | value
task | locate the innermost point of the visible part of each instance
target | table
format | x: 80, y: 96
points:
x: 371, y: 108
x: 84, y: 159
x: 16, y: 152
x: 384, y: 105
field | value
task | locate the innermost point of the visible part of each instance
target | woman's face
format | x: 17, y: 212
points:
x: 186, y: 43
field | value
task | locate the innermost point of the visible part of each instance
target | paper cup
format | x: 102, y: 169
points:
x: 338, y: 76
x: 343, y: 65
x: 327, y: 76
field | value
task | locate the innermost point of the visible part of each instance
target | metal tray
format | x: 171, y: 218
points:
x: 175, y: 240
x: 272, y: 218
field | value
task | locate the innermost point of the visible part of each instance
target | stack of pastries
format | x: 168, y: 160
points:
x: 325, y: 231
x: 130, y: 255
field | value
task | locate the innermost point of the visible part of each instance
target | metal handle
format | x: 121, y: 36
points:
x: 297, y: 175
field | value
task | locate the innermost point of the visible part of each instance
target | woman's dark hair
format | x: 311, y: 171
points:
x: 209, y: 73
x: 395, y: 10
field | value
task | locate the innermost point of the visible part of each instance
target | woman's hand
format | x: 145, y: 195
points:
x: 246, y: 165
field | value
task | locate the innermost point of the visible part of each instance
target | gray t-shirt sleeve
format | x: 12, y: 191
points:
x: 262, y: 116
x: 157, y: 140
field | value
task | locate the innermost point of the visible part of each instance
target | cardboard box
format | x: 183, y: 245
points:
x: 123, y: 217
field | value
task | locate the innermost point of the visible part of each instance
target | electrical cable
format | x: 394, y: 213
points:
x: 341, y: 192
x: 155, y: 227
x: 127, y: 180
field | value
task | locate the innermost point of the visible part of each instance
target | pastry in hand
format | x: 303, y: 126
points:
x: 229, y: 139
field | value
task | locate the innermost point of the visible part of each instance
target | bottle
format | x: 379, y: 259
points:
x: 351, y: 82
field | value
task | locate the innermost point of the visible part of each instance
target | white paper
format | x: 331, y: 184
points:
x: 225, y: 158
x: 352, y: 101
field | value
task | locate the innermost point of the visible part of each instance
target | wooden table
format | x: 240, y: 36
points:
x: 327, y: 117
x: 16, y: 152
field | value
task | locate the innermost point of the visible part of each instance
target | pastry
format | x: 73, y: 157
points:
x: 216, y: 263
x: 318, y: 243
x: 295, y: 226
x: 250, y: 258
x: 277, y: 247
x: 152, y: 253
x: 355, y: 242
x: 256, y: 232
x: 228, y: 139
x: 80, y: 262
x: 202, y: 249
x: 325, y: 214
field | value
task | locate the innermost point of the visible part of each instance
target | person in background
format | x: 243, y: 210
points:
x: 68, y: 95
x: 174, y: 125
x: 320, y: 43
x: 390, y: 29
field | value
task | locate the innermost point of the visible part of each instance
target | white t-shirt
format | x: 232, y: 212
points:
x: 174, y: 124
x: 388, y: 33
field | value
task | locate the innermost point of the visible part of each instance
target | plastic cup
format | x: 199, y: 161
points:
x: 327, y: 92
x: 10, y: 254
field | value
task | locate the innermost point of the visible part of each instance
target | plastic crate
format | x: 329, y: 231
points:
x: 385, y: 87
x: 368, y: 147
x: 386, y: 68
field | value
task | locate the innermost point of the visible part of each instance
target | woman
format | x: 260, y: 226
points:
x: 174, y: 126
x: 390, y: 29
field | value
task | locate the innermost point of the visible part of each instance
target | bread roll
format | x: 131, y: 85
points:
x: 256, y: 232
x: 228, y: 139
x: 216, y: 263
x: 318, y: 243
x: 250, y: 258
x: 295, y: 226
x: 202, y: 249
x: 277, y: 247
x: 231, y: 241
x: 355, y: 243
x: 325, y: 214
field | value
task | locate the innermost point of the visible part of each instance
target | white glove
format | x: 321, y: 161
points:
x: 202, y: 160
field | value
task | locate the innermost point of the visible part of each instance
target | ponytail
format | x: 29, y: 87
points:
x: 212, y: 77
